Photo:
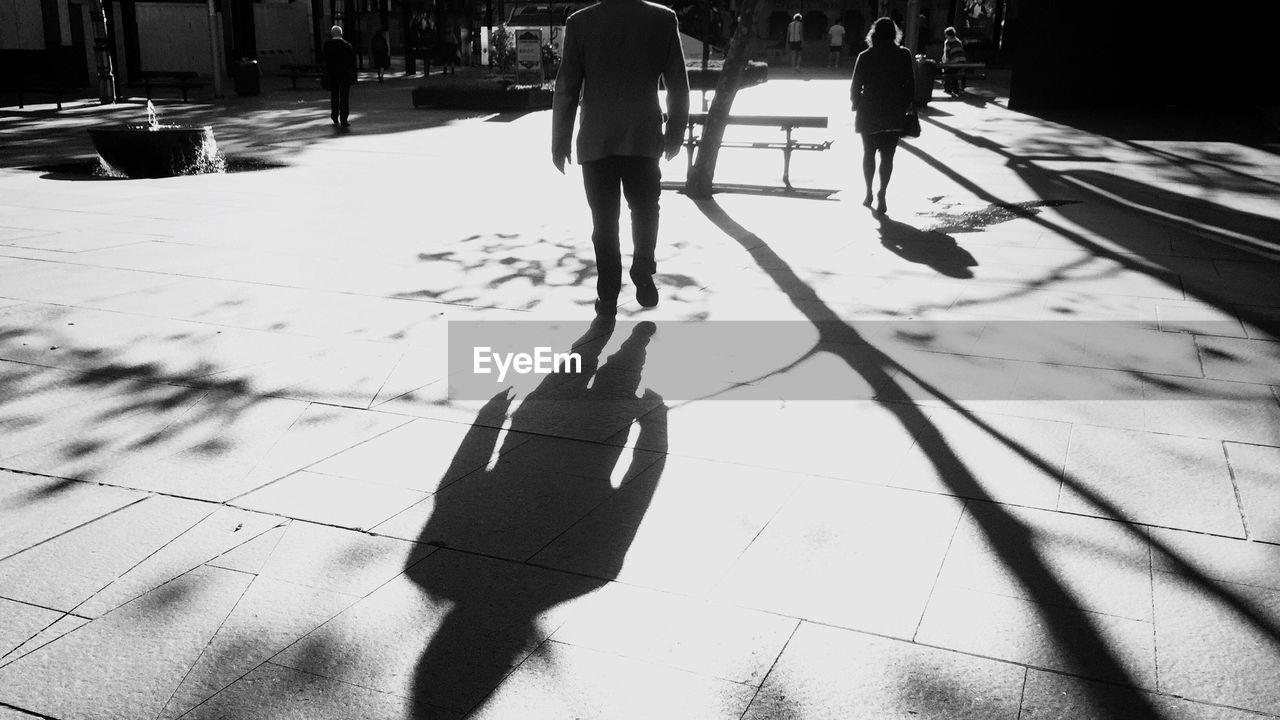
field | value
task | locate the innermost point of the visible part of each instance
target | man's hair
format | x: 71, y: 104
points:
x: 796, y: 17
x: 949, y: 32
x: 336, y: 31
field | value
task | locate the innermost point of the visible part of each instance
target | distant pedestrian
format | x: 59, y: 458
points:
x: 952, y: 52
x: 339, y: 73
x: 795, y: 39
x: 835, y: 43
x: 881, y: 95
x: 615, y: 52
x: 449, y: 44
x: 380, y: 49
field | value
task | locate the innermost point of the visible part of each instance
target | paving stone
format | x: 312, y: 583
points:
x: 330, y: 500
x: 1049, y: 558
x: 1214, y: 409
x: 679, y: 527
x: 1089, y: 396
x: 516, y: 508
x: 563, y: 681
x: 924, y: 377
x: 59, y: 627
x: 1198, y: 319
x: 1052, y: 636
x: 1164, y: 480
x: 67, y: 284
x: 1256, y: 470
x: 854, y: 556
x: 827, y: 672
x: 270, y: 616
x: 1013, y: 460
x: 1062, y: 697
x: 127, y: 664
x: 696, y: 635
x: 422, y: 455
x: 333, y: 559
x: 320, y: 432
x: 69, y: 569
x: 34, y: 509
x: 19, y: 622
x: 7, y: 713
x: 272, y: 692
x: 446, y: 632
x: 795, y: 436
x: 251, y: 556
x: 1254, y: 361
x: 126, y: 411
x: 1217, y: 643
x: 221, y: 531
x: 205, y: 453
x: 1216, y: 558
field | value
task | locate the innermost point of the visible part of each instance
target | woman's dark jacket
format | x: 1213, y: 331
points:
x: 883, y: 86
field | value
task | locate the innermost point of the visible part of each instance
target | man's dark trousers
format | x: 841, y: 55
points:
x: 641, y: 181
x: 340, y: 102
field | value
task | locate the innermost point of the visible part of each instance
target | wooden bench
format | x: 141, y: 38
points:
x: 28, y: 85
x: 184, y: 80
x: 963, y: 70
x: 293, y: 71
x: 786, y: 123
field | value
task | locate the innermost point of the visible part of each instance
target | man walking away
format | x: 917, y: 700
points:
x: 795, y: 39
x: 615, y: 52
x: 835, y: 43
x: 339, y: 72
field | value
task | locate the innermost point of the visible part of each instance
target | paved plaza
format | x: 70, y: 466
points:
x: 1011, y: 452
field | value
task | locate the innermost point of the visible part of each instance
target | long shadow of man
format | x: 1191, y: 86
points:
x: 501, y: 517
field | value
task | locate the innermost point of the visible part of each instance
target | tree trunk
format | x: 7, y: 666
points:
x: 699, y: 182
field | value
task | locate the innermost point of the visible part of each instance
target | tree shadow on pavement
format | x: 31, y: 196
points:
x: 934, y: 249
x: 493, y: 521
x: 1220, y: 232
x: 1077, y: 633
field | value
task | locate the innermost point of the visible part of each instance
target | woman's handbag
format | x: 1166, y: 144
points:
x: 911, y: 124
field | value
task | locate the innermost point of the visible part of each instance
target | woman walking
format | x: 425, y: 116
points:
x: 881, y: 94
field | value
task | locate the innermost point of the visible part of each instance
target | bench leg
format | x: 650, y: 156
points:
x: 786, y: 161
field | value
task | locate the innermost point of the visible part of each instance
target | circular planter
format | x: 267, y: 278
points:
x: 143, y: 151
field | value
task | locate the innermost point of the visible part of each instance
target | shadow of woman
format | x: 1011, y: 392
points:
x: 491, y: 522
x: 938, y: 251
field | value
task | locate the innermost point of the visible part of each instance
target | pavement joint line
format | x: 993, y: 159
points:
x: 77, y: 527
x: 946, y: 553
x: 1235, y: 488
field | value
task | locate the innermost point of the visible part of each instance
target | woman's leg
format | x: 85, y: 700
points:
x: 868, y: 164
x: 888, y: 145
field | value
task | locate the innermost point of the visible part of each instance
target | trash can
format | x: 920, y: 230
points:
x: 247, y: 77
x: 926, y: 71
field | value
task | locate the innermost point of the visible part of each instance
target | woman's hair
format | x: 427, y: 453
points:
x: 884, y: 32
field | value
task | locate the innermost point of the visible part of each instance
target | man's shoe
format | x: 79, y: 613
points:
x: 606, y: 310
x: 646, y: 292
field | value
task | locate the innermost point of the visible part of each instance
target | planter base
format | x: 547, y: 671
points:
x: 140, y: 151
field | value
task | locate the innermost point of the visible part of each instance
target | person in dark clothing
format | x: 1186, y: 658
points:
x: 380, y: 49
x: 615, y: 53
x: 881, y: 95
x: 339, y: 73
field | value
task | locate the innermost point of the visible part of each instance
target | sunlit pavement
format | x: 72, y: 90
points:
x: 1012, y: 451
